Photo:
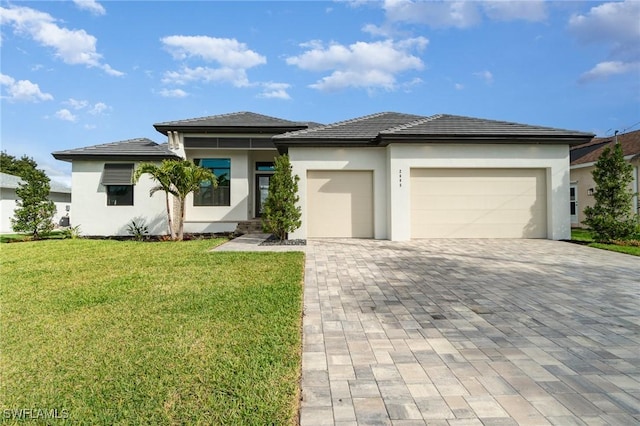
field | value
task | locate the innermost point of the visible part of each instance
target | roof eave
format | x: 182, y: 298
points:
x: 386, y: 139
x: 164, y: 129
x: 111, y: 157
x: 324, y: 143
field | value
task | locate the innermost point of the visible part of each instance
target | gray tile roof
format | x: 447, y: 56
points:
x: 361, y: 128
x: 140, y: 149
x: 455, y: 125
x: 387, y: 127
x: 12, y: 182
x: 237, y: 120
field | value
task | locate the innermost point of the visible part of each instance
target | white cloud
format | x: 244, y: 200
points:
x: 208, y: 75
x: 91, y: 6
x: 76, y: 103
x: 614, y: 25
x: 510, y: 10
x: 615, y: 22
x: 362, y: 64
x: 173, y: 93
x: 229, y: 53
x: 378, y: 31
x: 23, y: 90
x: 73, y: 47
x: 610, y: 68
x: 275, y: 91
x: 458, y: 86
x: 485, y: 75
x: 66, y: 115
x: 461, y: 14
x: 99, y: 108
x: 233, y: 57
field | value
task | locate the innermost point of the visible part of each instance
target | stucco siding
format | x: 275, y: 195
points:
x: 392, y: 166
x: 95, y: 218
x: 7, y: 206
x: 239, y: 189
x: 356, y: 159
x: 553, y: 158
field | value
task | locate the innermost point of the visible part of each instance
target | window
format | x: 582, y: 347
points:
x: 117, y: 179
x: 120, y: 195
x: 265, y: 166
x: 207, y: 195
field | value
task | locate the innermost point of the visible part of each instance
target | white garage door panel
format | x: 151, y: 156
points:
x: 478, y: 203
x: 340, y: 204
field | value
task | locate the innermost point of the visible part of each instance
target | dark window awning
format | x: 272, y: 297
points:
x: 117, y: 174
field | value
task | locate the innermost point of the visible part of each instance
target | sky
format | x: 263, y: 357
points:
x: 85, y: 72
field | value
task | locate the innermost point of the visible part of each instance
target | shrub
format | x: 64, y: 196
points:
x: 611, y: 218
x: 139, y: 231
x: 280, y: 214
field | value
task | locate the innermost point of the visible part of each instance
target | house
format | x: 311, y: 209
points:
x: 385, y: 176
x: 59, y: 194
x: 583, y: 159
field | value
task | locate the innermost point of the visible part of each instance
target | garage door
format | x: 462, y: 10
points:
x: 339, y: 203
x: 478, y: 203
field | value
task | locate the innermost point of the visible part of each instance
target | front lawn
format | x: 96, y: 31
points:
x: 584, y: 235
x: 15, y: 238
x: 113, y: 332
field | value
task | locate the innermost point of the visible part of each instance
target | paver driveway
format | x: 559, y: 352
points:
x: 470, y: 332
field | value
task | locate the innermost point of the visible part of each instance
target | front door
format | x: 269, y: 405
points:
x: 573, y: 203
x: 262, y: 191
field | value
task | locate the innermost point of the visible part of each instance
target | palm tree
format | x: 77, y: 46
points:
x: 178, y: 178
x: 160, y: 174
x: 186, y: 178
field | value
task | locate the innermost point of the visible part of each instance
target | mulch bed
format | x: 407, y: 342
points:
x: 273, y: 241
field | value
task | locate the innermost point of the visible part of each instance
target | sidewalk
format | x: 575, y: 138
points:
x: 251, y: 242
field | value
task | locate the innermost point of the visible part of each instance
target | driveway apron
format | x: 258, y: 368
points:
x: 469, y: 332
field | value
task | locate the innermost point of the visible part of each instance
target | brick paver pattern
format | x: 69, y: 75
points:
x: 469, y: 332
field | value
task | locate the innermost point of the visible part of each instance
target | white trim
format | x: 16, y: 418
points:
x: 575, y: 220
x: 635, y: 185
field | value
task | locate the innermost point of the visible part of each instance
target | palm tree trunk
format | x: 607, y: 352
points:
x: 181, y: 224
x: 169, y: 220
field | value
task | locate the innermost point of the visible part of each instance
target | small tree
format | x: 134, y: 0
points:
x: 17, y: 166
x: 35, y: 211
x: 280, y: 213
x: 611, y: 218
x: 179, y: 178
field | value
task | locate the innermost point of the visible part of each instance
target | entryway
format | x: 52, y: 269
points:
x: 262, y: 191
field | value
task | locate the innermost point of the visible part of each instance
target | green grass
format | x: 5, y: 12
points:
x: 584, y: 235
x: 14, y: 238
x: 119, y: 332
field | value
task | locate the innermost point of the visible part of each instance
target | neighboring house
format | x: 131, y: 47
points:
x: 59, y: 194
x: 583, y: 159
x: 385, y: 176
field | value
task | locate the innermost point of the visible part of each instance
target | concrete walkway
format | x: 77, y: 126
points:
x: 470, y: 332
x: 251, y: 242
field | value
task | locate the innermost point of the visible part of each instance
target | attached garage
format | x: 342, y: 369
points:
x: 340, y: 204
x: 478, y: 203
x: 439, y: 176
